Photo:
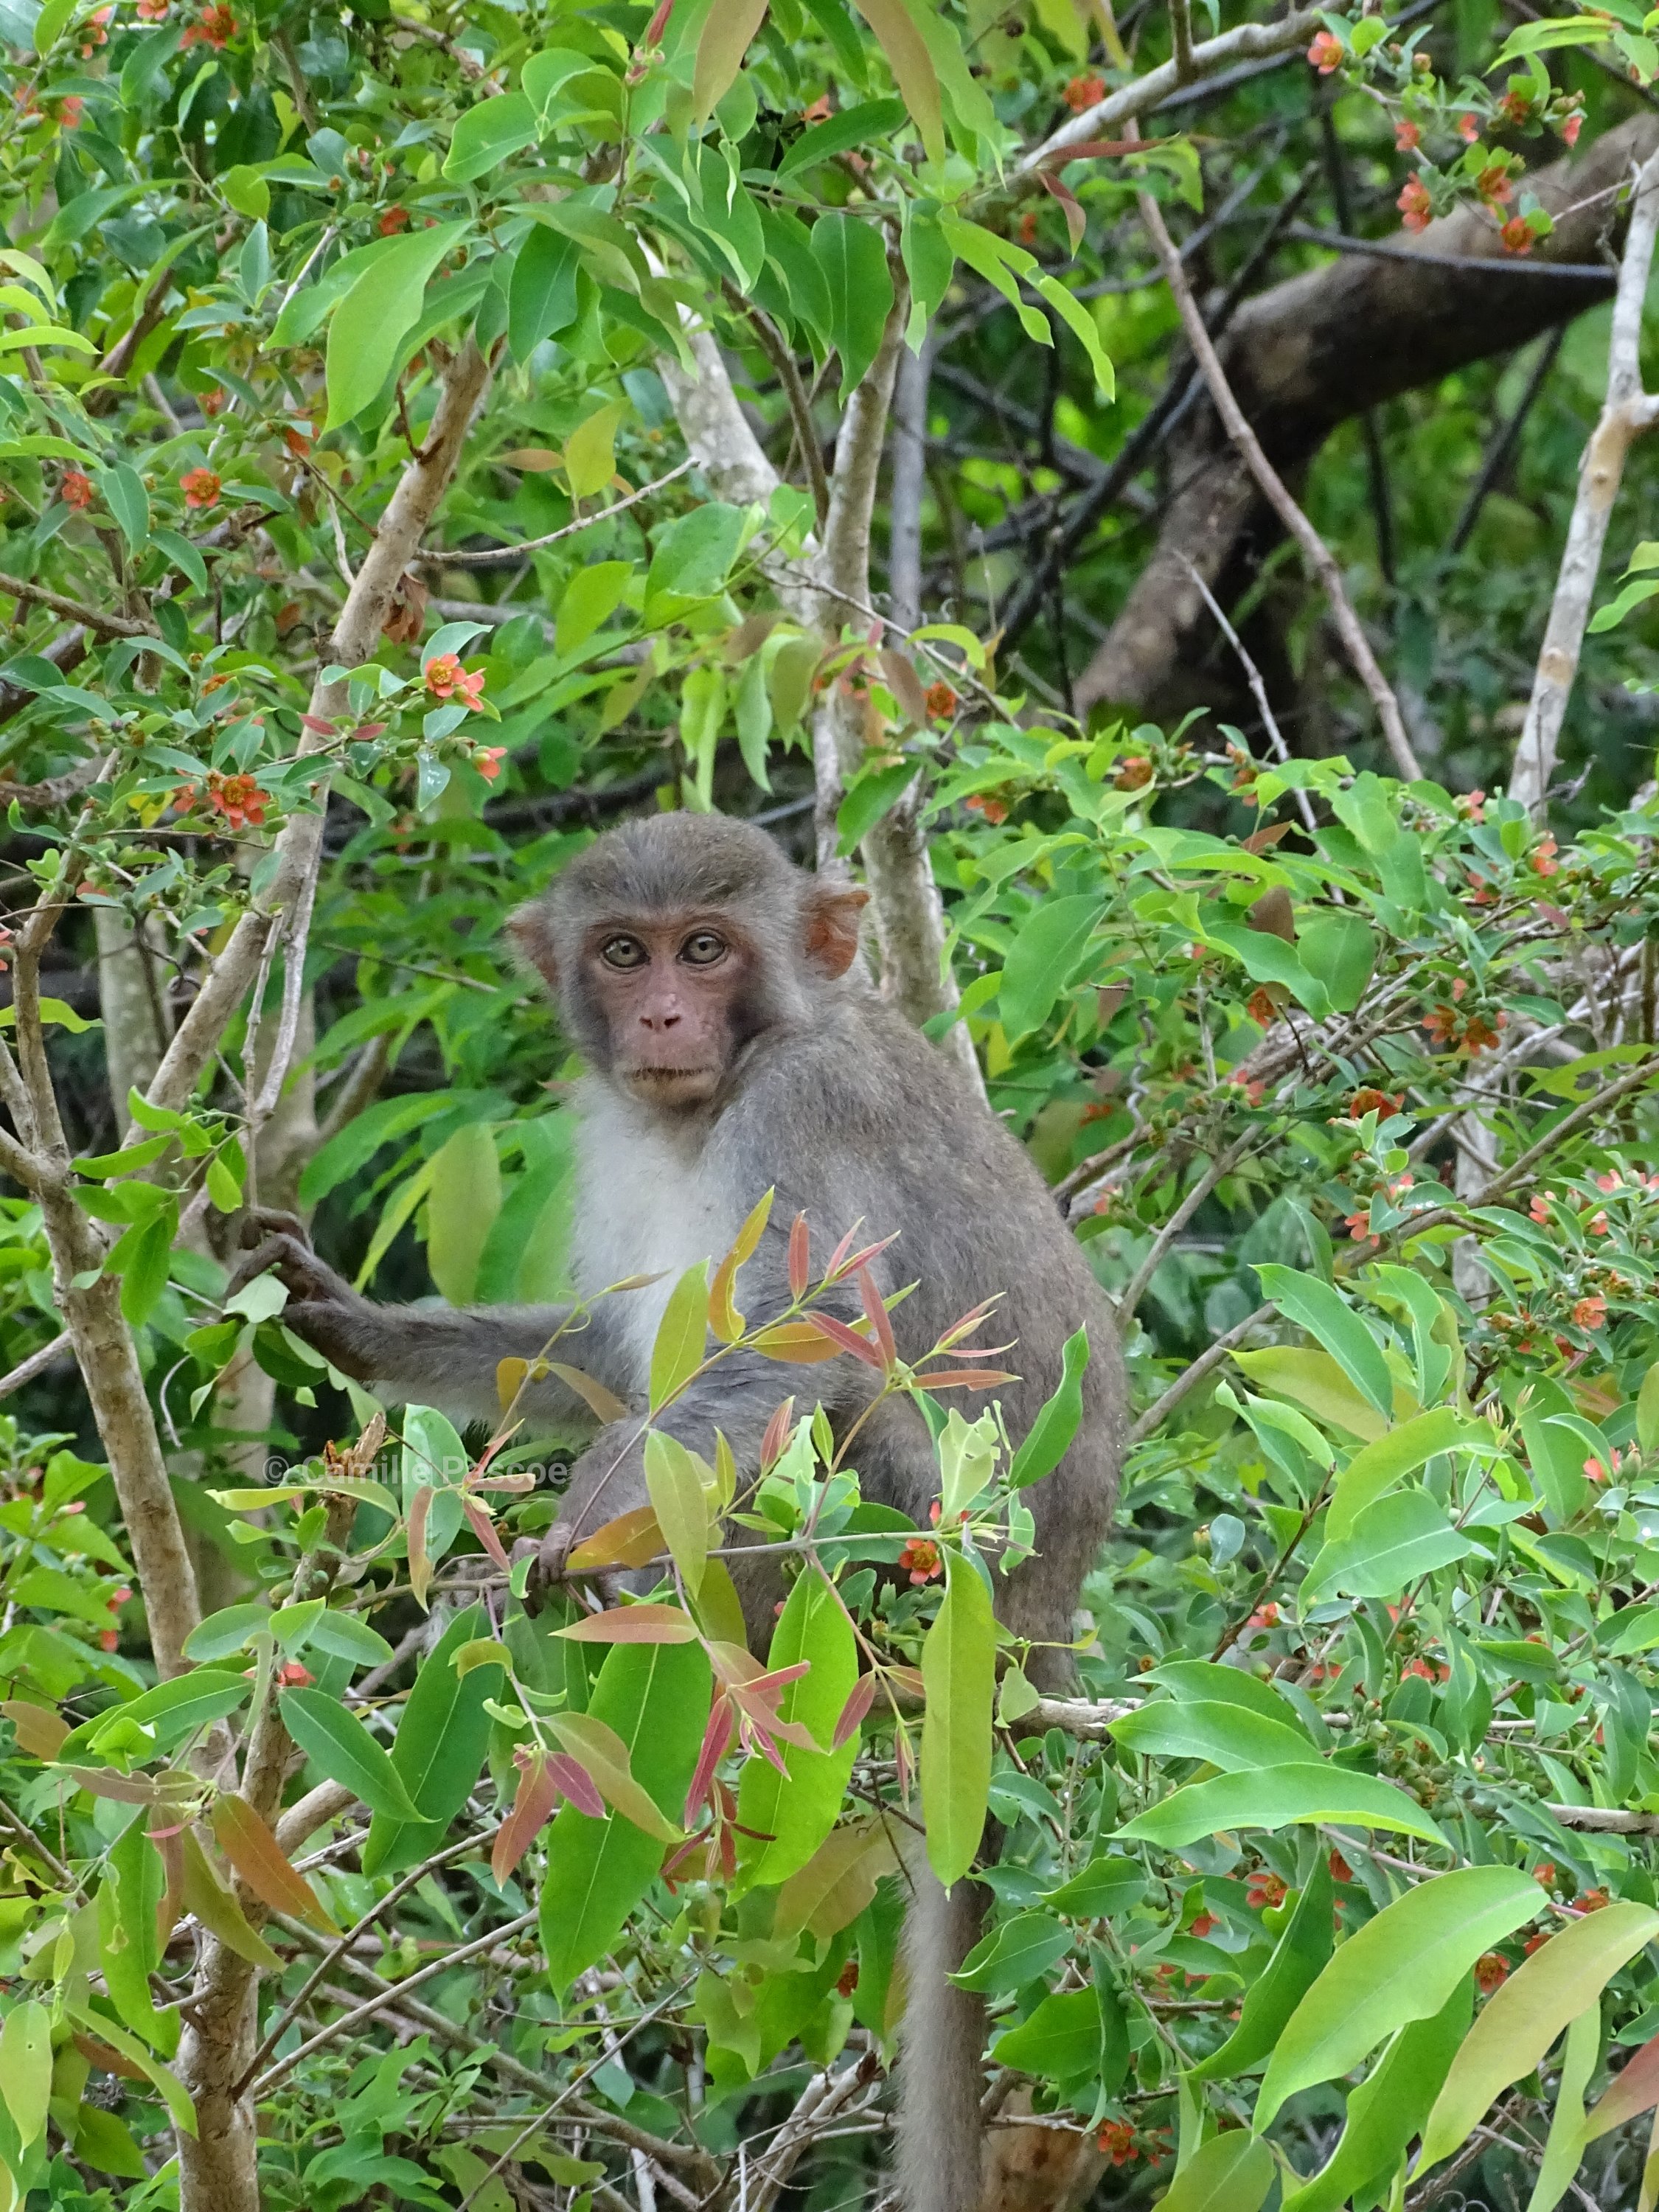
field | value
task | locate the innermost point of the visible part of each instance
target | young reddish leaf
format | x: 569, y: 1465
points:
x: 40, y: 1728
x: 723, y: 1316
x: 853, y: 1713
x: 263, y: 1864
x: 776, y: 1435
x: 881, y: 1326
x: 726, y: 33
x: 573, y: 1780
x: 169, y: 1842
x: 603, y: 1756
x: 796, y: 1343
x: 420, y: 1566
x: 484, y: 1529
x: 913, y: 69
x: 1633, y: 2090
x: 800, y: 1257
x: 538, y: 1794
x: 716, y: 1738
x: 316, y: 724
x: 1070, y: 206
x: 846, y: 1338
x: 634, y: 1624
x: 966, y: 1378
x: 105, y: 1782
x: 632, y: 1539
x: 850, y: 1263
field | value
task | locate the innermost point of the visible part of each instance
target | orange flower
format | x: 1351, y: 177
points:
x: 983, y: 802
x: 1265, y: 1616
x: 1259, y: 1006
x: 95, y: 31
x: 1263, y: 1889
x: 1407, y: 138
x: 1416, y: 206
x: 200, y: 487
x: 1592, y: 1900
x: 152, y: 11
x: 446, y: 679
x: 1542, y: 856
x: 920, y: 1559
x: 68, y: 112
x: 1368, y: 1100
x: 1203, y: 1924
x: 1468, y: 129
x: 1116, y: 2141
x: 1492, y: 1970
x: 1493, y: 185
x: 1571, y: 129
x: 76, y: 490
x: 1590, y: 1312
x: 939, y: 700
x: 213, y: 402
x: 1325, y: 52
x: 293, y: 1675
x: 1540, y: 1204
x: 1132, y: 774
x: 1084, y: 92
x: 1519, y: 237
x: 394, y: 220
x: 488, y: 761
x: 1341, y: 1870
x: 847, y: 1980
x: 216, y: 28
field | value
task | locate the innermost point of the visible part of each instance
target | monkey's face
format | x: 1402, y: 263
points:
x: 672, y: 998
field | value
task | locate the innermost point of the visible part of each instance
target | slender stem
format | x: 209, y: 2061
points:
x: 96, y: 619
x: 502, y: 556
x: 777, y: 351
x: 1190, y: 1377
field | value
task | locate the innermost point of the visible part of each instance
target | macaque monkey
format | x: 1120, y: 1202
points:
x: 735, y: 1043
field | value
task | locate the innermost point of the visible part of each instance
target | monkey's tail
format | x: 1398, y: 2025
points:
x: 941, y: 2048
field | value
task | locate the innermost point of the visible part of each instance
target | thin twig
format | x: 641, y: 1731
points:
x: 1191, y: 1376
x: 1508, y: 264
x: 1258, y: 689
x: 92, y: 618
x: 36, y: 1364
x: 1314, y: 550
x: 500, y: 556
x: 1498, y: 452
x: 777, y: 351
x: 1218, y: 1170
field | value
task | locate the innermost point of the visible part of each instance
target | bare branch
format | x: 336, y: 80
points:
x: 1627, y: 411
x: 503, y: 556
x: 778, y: 352
x: 1221, y: 1167
x: 1190, y: 1377
x: 36, y: 1364
x: 93, y: 618
x: 1272, y: 486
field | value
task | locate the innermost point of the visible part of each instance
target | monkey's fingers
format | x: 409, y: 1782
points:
x: 261, y: 1223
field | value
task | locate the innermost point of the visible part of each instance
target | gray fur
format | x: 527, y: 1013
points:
x: 852, y: 1116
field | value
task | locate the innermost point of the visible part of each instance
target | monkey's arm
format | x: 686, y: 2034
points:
x: 433, y: 1356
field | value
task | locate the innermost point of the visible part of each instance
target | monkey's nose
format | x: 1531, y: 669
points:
x: 667, y: 1019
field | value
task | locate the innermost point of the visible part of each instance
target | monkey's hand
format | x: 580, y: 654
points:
x: 323, y: 1310
x: 607, y: 1480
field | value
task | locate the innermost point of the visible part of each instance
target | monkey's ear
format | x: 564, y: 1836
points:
x: 530, y: 932
x: 832, y: 929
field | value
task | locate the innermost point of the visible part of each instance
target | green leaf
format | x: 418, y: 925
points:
x: 1043, y: 959
x: 692, y: 559
x: 175, y: 1708
x: 142, y: 1259
x: 226, y: 1631
x: 370, y: 321
x: 1520, y: 2021
x: 462, y: 1200
x: 1049, y: 1437
x: 798, y: 1809
x: 1298, y: 1957
x: 489, y: 131
x: 682, y: 1339
x: 1315, y: 1306
x: 854, y: 260
x: 958, y: 1672
x: 438, y: 1752
x: 913, y: 69
x: 1078, y: 318
x: 727, y: 30
x: 655, y: 1697
x: 26, y: 2066
x: 542, y: 298
x: 1376, y: 1469
x: 167, y: 2084
x: 1279, y: 1796
x: 1061, y: 2041
x: 858, y: 127
x: 1106, y: 1887
x: 1313, y: 1381
x: 591, y: 598
x: 676, y: 1492
x: 871, y: 795
x: 1231, y: 2172
x: 128, y: 501
x: 1228, y: 1735
x: 1564, y: 2148
x: 344, y: 1155
x: 1341, y: 951
x: 103, y: 2140
x: 1389, y: 2107
x: 1021, y: 1951
x: 1403, y: 1965
x: 1392, y: 1543
x: 342, y: 1748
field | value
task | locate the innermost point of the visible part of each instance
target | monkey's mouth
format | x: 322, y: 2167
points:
x: 672, y: 1080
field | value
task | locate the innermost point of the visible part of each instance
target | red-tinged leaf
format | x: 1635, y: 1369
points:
x: 1097, y: 149
x: 263, y: 1864
x: 966, y: 1378
x: 912, y: 66
x: 484, y: 1529
x: 881, y: 1326
x: 800, y: 1257
x: 40, y: 1728
x: 317, y: 726
x: 576, y: 1784
x: 716, y: 1739
x: 733, y: 1663
x: 853, y: 1713
x: 538, y: 1794
x: 365, y: 732
x: 168, y: 1844
x: 105, y: 1782
x: 797, y: 1343
x: 634, y: 1624
x: 632, y: 1539
x: 106, y: 2058
x: 727, y: 30
x: 851, y: 1264
x: 777, y: 1436
x: 420, y: 1566
x: 840, y: 1254
x: 847, y: 1340
x: 1634, y: 2090
x: 969, y: 1322
x: 724, y: 1318
x: 779, y: 1675
x: 1070, y: 206
x: 760, y: 1714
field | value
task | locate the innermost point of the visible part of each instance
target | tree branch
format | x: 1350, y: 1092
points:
x: 1316, y: 553
x: 93, y: 618
x: 1627, y: 411
x: 503, y: 556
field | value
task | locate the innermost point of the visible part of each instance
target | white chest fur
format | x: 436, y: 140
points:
x: 644, y: 1205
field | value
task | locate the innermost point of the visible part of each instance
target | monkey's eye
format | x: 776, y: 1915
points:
x: 703, y: 949
x: 622, y: 952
